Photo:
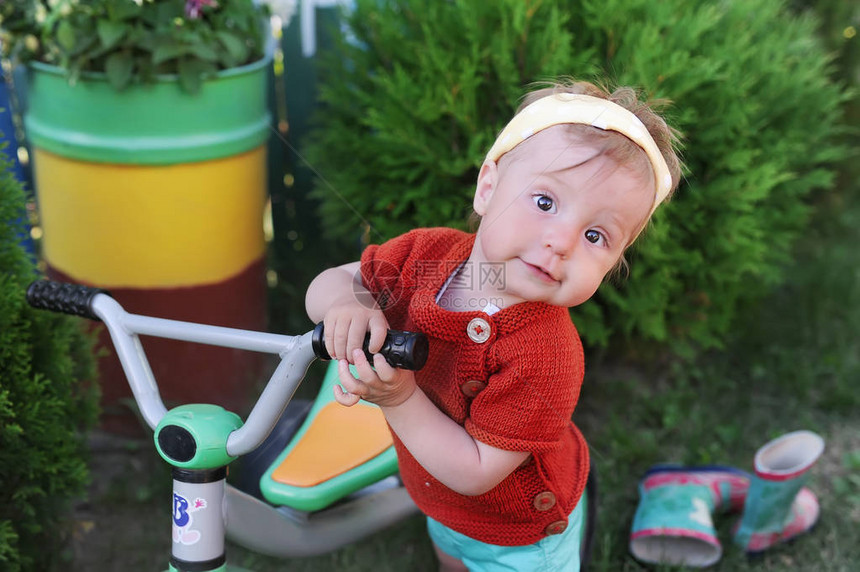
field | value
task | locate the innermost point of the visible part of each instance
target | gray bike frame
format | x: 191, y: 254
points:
x: 248, y: 521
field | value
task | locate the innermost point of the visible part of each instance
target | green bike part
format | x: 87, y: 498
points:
x: 324, y: 494
x: 207, y: 426
x: 153, y: 124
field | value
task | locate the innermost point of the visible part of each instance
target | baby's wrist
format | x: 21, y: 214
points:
x: 357, y: 298
x: 400, y: 397
x: 365, y: 300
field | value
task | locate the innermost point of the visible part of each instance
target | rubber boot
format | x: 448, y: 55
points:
x: 778, y: 507
x: 674, y: 520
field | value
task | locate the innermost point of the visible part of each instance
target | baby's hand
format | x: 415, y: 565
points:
x: 385, y: 386
x: 345, y: 326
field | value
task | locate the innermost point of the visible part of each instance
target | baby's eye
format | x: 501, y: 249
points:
x: 593, y: 236
x: 544, y: 203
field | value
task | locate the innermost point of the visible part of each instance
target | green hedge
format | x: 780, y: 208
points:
x: 44, y: 404
x: 414, y: 98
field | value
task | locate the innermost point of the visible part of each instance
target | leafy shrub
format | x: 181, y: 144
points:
x: 415, y: 97
x: 44, y: 406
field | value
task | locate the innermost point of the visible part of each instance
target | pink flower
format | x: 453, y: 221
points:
x: 193, y: 8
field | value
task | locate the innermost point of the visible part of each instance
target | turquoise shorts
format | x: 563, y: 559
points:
x: 556, y: 553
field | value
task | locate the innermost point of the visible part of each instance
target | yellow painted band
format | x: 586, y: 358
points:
x: 145, y: 226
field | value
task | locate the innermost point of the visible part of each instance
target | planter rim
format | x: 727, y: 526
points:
x: 153, y: 123
x: 160, y: 78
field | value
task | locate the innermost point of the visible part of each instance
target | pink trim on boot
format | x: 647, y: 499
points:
x: 738, y: 485
x: 804, y: 514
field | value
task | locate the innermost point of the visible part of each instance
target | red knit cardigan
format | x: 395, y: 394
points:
x: 516, y: 390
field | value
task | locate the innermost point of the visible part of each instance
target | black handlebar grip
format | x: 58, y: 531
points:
x: 404, y: 350
x: 73, y: 299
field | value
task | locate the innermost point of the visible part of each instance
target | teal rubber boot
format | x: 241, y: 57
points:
x: 674, y: 520
x: 778, y: 507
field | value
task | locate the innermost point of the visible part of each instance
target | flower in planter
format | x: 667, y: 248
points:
x: 133, y: 41
x: 193, y: 8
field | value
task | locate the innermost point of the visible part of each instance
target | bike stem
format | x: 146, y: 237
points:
x: 200, y: 440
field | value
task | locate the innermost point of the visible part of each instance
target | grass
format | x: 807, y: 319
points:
x: 792, y: 364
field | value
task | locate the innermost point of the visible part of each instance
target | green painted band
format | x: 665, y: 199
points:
x: 158, y: 124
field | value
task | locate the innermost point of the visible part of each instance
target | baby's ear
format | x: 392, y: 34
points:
x: 488, y: 178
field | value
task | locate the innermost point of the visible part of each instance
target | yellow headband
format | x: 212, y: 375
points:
x: 563, y: 108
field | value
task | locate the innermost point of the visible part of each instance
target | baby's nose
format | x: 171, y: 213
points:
x: 560, y: 242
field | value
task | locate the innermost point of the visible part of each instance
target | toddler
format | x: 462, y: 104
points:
x: 484, y: 438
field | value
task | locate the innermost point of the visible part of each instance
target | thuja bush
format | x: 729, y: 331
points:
x: 415, y: 96
x: 44, y: 404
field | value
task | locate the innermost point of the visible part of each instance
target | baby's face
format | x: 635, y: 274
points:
x: 558, y: 215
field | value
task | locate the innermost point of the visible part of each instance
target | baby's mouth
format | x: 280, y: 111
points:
x: 541, y: 272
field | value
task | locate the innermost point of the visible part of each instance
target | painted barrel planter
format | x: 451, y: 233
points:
x: 158, y: 195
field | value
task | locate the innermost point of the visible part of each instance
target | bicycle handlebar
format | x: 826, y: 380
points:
x: 404, y: 350
x: 401, y: 349
x: 74, y: 299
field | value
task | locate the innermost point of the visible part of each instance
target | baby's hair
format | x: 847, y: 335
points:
x: 666, y: 138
